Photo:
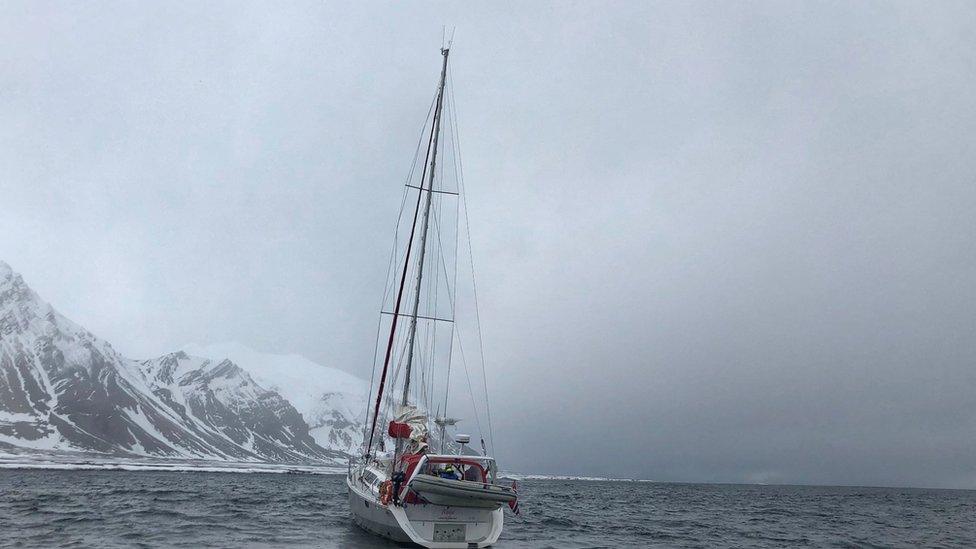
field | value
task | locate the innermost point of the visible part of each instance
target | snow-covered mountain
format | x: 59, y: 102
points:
x: 62, y: 388
x: 331, y: 401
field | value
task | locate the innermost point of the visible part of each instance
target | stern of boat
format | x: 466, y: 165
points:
x: 425, y: 524
x: 445, y: 527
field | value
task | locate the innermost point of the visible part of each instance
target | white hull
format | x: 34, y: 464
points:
x: 425, y: 524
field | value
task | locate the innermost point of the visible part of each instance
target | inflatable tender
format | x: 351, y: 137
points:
x: 461, y: 493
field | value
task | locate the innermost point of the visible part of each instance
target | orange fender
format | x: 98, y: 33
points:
x: 386, y: 492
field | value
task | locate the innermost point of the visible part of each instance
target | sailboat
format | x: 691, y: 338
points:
x: 412, y: 482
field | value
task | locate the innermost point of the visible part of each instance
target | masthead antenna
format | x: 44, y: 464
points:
x: 446, y: 46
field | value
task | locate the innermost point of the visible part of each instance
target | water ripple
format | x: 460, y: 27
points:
x: 166, y: 509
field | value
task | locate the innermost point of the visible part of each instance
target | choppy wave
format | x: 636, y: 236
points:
x: 146, y: 508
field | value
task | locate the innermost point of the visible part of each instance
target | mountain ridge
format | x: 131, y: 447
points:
x: 64, y: 389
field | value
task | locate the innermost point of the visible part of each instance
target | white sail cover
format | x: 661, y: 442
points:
x: 417, y: 420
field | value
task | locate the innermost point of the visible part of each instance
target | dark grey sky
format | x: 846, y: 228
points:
x: 716, y: 242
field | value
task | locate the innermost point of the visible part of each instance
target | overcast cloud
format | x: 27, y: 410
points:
x: 716, y: 241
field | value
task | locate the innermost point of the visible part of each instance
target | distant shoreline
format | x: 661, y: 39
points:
x: 84, y: 462
x: 522, y: 476
x: 100, y: 463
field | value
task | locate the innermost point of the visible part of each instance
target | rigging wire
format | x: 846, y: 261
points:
x: 453, y: 301
x: 434, y: 281
x: 464, y: 363
x: 427, y: 351
x: 456, y: 333
x: 391, y: 267
x: 474, y: 285
x: 424, y: 359
x: 396, y: 309
x: 457, y: 336
x: 401, y: 345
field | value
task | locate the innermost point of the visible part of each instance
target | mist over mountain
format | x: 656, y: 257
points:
x: 63, y: 389
x: 331, y: 401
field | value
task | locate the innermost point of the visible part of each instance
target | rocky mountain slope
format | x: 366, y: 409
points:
x: 62, y: 388
x: 332, y: 402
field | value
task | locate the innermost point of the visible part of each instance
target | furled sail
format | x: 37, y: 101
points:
x: 410, y: 423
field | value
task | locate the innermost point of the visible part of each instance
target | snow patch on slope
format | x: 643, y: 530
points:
x: 331, y: 401
x: 64, y: 389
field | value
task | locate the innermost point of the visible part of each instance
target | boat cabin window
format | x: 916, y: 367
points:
x: 371, y: 479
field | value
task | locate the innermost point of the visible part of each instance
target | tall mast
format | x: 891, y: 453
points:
x: 423, y: 229
x: 435, y: 131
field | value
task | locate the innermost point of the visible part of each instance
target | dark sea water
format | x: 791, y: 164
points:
x: 167, y: 509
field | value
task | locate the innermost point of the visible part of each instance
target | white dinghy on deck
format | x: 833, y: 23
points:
x: 412, y: 494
